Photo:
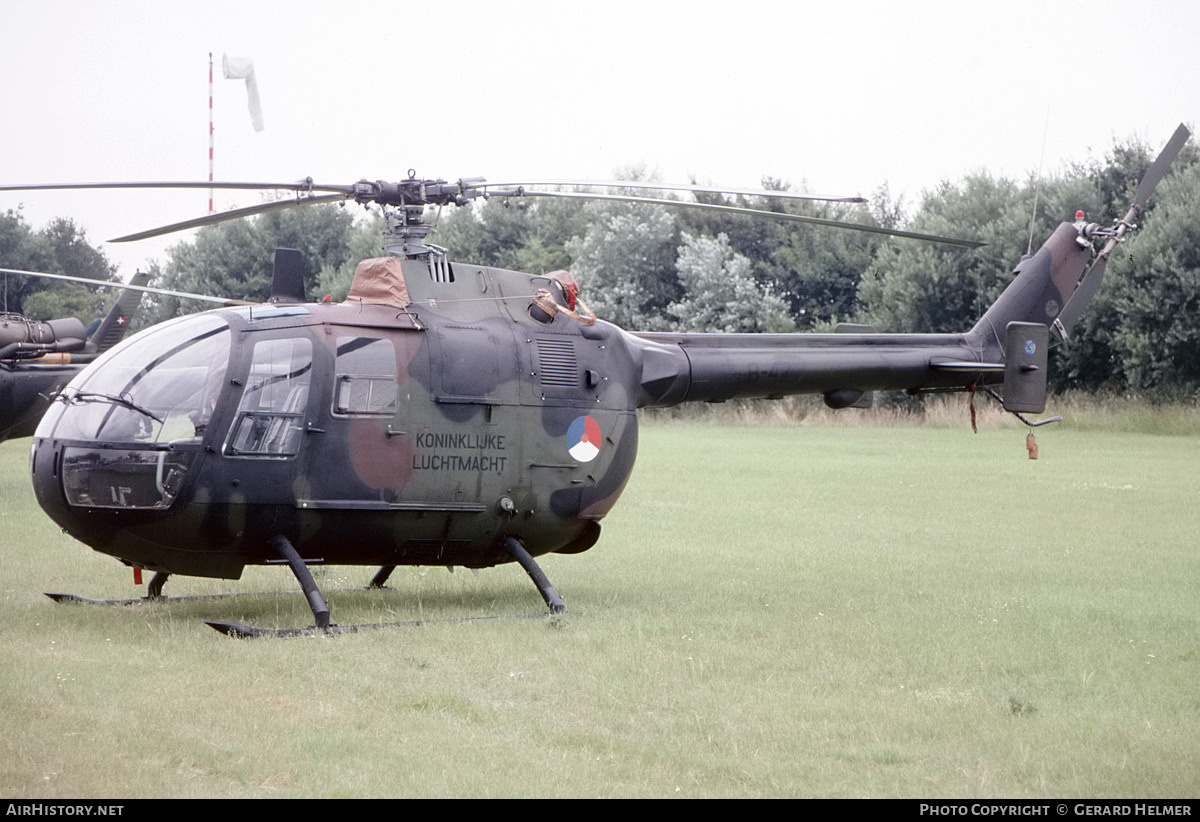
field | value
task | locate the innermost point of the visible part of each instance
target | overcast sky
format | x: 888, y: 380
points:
x: 835, y: 97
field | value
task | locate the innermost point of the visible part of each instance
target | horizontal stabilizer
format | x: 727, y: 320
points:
x: 965, y: 366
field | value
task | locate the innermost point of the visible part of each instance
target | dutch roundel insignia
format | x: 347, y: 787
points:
x: 583, y: 439
x: 1030, y: 347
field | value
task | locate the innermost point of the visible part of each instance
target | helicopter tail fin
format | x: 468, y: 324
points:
x: 1052, y: 289
x: 1045, y: 283
x: 1013, y: 336
x: 287, y: 279
x: 112, y: 329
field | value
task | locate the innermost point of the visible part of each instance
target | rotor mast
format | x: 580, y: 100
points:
x: 403, y: 206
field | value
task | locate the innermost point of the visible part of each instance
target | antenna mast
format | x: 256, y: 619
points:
x: 210, y: 133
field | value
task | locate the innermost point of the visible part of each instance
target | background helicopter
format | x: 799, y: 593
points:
x: 38, y: 358
x: 455, y: 414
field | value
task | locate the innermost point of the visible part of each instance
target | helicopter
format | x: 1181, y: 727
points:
x: 456, y: 414
x: 38, y: 358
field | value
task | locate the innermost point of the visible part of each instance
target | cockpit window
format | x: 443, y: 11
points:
x: 274, y: 405
x: 159, y: 387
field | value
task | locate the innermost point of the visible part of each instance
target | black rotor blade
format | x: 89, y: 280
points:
x: 439, y: 192
x: 305, y: 186
x: 1089, y: 283
x: 752, y: 212
x: 1160, y: 166
x: 210, y: 219
x: 302, y: 185
x: 145, y: 289
x: 787, y: 195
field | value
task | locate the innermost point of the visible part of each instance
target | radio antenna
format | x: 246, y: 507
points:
x: 1037, y: 185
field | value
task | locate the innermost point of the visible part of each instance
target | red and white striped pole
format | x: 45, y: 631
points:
x: 210, y: 133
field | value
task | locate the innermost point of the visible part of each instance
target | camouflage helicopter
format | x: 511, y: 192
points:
x: 455, y: 414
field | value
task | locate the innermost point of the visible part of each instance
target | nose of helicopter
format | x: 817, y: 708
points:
x: 124, y: 434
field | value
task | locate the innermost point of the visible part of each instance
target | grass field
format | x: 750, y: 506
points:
x: 773, y: 611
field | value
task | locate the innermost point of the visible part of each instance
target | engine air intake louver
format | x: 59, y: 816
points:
x: 557, y: 365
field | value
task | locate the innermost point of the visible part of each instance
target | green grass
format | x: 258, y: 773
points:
x: 773, y: 610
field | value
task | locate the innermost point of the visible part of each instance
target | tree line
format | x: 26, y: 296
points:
x: 61, y: 247
x: 653, y: 267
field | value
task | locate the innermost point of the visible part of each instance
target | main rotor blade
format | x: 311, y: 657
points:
x: 305, y: 187
x: 786, y: 195
x: 145, y: 289
x: 301, y: 185
x: 308, y: 185
x: 438, y: 192
x: 752, y: 212
x: 210, y: 219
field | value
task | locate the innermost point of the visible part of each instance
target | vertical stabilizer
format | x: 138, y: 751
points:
x: 112, y: 330
x: 287, y: 281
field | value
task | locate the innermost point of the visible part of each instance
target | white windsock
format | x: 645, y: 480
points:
x: 242, y: 68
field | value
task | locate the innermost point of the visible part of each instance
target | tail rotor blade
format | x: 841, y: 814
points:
x: 1089, y: 283
x: 1159, y: 167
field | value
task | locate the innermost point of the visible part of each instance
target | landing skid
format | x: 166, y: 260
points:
x: 239, y: 631
x: 153, y: 594
x: 76, y: 599
x: 316, y: 601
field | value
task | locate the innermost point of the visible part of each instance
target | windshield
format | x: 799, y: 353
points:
x: 160, y: 386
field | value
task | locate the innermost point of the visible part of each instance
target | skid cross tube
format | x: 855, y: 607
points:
x: 316, y: 602
x: 381, y: 577
x: 154, y: 591
x: 514, y: 547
